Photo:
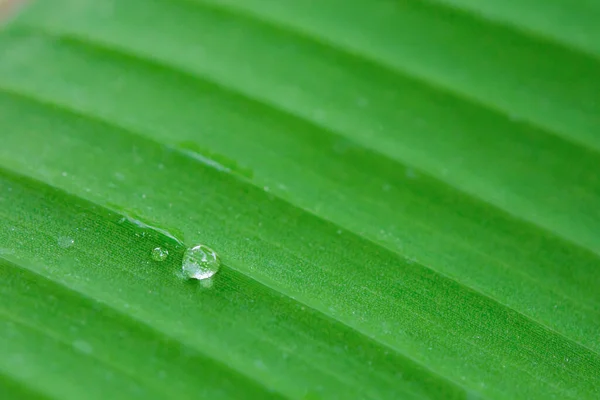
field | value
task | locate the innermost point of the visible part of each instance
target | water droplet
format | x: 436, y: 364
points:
x: 200, y: 262
x: 159, y: 254
x: 65, y: 242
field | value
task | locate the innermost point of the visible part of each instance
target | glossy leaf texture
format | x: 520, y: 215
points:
x: 404, y: 195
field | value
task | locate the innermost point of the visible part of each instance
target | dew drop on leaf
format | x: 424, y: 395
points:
x: 159, y: 254
x: 200, y: 262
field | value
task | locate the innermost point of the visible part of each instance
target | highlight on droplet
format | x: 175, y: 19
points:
x: 200, y: 262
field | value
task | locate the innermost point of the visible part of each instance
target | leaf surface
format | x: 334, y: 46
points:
x: 404, y: 195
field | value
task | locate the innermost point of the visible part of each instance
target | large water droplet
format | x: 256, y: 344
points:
x: 200, y: 262
x: 159, y: 254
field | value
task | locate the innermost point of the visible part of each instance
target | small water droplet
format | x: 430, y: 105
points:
x: 200, y: 262
x: 159, y: 254
x: 65, y: 242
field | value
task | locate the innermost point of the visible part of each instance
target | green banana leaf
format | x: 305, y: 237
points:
x: 404, y: 196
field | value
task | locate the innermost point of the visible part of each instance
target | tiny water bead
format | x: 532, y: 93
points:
x: 200, y: 262
x: 159, y: 254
